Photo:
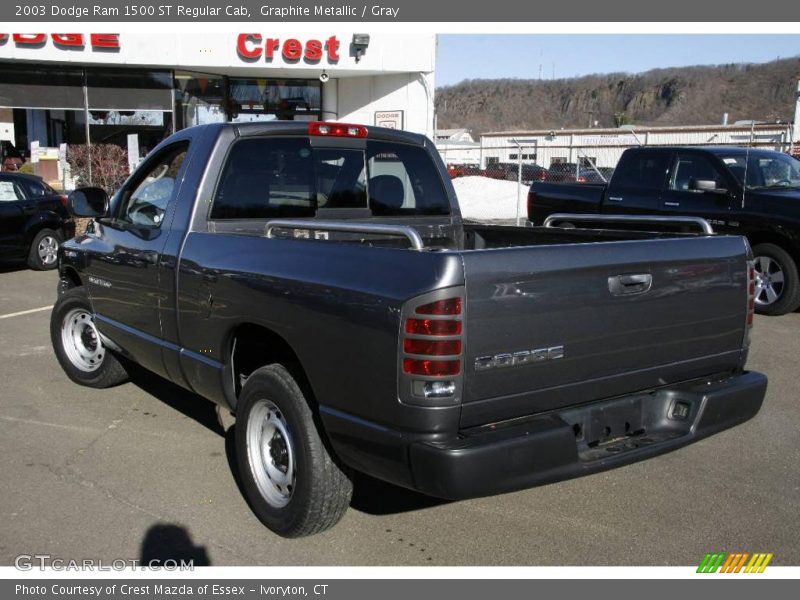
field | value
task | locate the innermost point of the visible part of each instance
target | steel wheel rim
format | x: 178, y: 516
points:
x: 48, y: 250
x: 81, y: 340
x: 270, y: 452
x: 770, y: 280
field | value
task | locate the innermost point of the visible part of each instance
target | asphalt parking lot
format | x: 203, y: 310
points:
x: 103, y: 473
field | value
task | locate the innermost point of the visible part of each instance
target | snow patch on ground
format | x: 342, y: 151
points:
x: 487, y: 199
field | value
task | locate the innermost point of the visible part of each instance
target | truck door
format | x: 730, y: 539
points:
x: 698, y: 187
x: 124, y: 266
x: 637, y: 183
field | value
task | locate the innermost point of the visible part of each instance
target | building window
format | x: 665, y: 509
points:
x: 199, y: 99
x: 271, y: 99
x: 513, y: 156
x: 558, y: 160
x: 492, y: 160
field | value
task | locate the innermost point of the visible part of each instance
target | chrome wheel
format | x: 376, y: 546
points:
x: 769, y: 280
x: 81, y: 341
x: 270, y: 453
x: 47, y: 250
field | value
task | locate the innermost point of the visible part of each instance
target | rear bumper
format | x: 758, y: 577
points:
x: 526, y: 452
x: 551, y: 448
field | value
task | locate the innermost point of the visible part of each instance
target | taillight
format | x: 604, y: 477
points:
x: 433, y: 327
x: 432, y: 347
x: 431, y: 368
x: 451, y: 306
x: 64, y: 199
x: 325, y: 129
x: 751, y: 301
x: 581, y: 179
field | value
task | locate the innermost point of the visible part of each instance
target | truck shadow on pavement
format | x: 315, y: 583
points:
x: 185, y: 402
x: 370, y: 496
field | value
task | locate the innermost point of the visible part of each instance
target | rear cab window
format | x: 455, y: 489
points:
x: 287, y: 177
x: 642, y: 171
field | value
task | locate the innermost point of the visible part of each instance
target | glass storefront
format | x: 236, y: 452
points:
x: 199, y: 99
x: 60, y: 104
x: 271, y: 99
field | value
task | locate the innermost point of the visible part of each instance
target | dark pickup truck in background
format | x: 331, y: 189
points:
x: 317, y: 281
x: 755, y: 193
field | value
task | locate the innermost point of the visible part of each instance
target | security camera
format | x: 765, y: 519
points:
x: 324, y: 77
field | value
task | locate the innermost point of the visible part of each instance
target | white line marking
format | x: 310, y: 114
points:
x: 45, y: 424
x: 25, y: 312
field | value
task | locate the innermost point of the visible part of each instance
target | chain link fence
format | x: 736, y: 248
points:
x: 499, y: 177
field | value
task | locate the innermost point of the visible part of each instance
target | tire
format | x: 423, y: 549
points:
x: 777, y: 281
x: 289, y: 478
x: 78, y: 347
x: 43, y: 253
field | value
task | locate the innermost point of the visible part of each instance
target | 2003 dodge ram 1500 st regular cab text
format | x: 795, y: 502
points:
x: 317, y: 281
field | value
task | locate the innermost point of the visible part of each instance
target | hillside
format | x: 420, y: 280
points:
x: 673, y: 96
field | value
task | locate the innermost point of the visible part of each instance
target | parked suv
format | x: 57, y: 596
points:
x: 33, y: 220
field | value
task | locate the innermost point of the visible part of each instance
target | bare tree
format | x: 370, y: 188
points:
x: 109, y: 165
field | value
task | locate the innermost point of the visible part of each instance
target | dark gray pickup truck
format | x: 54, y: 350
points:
x: 317, y: 281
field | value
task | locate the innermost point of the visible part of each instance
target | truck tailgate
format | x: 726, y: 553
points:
x: 553, y: 326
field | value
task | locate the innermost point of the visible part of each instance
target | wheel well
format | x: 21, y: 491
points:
x: 71, y: 275
x: 782, y: 243
x: 253, y: 346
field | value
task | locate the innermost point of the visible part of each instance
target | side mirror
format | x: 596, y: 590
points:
x: 88, y: 202
x: 706, y: 185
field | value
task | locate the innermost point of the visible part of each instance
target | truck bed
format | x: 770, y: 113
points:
x: 547, y: 198
x: 526, y: 289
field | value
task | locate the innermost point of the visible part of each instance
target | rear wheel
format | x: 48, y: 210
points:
x: 777, y: 281
x: 43, y: 254
x: 77, y: 343
x: 290, y: 479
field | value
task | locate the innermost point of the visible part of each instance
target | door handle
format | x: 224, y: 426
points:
x: 615, y: 198
x: 672, y: 203
x: 624, y: 285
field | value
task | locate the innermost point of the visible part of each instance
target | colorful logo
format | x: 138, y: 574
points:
x: 734, y: 562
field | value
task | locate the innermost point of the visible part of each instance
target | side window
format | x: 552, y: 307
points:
x: 403, y: 181
x: 146, y: 199
x: 269, y: 177
x: 689, y: 169
x: 642, y: 171
x: 10, y: 191
x: 37, y: 189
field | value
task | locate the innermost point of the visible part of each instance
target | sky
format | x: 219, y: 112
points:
x: 467, y: 56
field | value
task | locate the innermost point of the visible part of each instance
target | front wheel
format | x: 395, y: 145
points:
x: 290, y: 479
x: 77, y: 343
x: 777, y: 281
x: 43, y: 254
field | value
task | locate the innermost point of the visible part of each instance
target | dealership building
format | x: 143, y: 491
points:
x: 68, y: 88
